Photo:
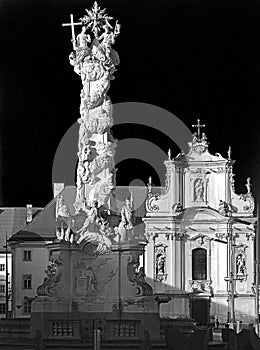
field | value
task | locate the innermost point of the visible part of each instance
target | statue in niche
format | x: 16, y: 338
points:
x: 198, y: 190
x: 126, y: 225
x: 240, y: 264
x: 160, y: 264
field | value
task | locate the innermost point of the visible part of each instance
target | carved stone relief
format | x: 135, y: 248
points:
x: 160, y: 262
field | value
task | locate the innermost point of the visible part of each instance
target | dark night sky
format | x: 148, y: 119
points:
x: 194, y: 58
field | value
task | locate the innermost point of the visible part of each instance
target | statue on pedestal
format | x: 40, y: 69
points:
x: 126, y: 226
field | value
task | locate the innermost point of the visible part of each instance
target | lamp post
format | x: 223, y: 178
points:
x: 257, y: 273
x: 6, y: 280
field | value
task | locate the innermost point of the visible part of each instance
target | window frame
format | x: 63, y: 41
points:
x: 24, y: 255
x: 27, y: 278
x: 202, y: 271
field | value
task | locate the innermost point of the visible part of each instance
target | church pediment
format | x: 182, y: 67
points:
x: 200, y: 214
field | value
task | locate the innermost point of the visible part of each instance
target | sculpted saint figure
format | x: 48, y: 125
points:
x: 90, y: 223
x: 83, y: 39
x: 199, y: 190
x: 127, y: 221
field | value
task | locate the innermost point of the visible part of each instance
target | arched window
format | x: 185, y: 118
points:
x: 199, y: 264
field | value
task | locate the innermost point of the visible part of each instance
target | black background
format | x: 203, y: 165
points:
x: 193, y: 58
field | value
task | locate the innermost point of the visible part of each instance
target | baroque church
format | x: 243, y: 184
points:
x: 187, y: 251
x: 201, y: 238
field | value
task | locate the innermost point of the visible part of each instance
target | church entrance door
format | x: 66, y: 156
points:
x: 200, y: 311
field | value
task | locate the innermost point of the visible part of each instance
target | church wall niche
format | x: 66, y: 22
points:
x: 160, y: 267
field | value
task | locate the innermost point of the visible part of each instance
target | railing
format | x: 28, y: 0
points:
x: 110, y: 329
x: 64, y: 328
x: 123, y: 328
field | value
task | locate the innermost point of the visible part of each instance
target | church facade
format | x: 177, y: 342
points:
x: 201, y: 239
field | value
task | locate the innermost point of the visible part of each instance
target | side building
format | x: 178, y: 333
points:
x: 12, y: 219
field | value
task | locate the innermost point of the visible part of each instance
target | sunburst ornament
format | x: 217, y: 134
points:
x: 95, y: 19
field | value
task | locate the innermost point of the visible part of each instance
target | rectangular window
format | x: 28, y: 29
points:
x: 27, y: 255
x: 2, y: 288
x: 2, y: 267
x: 2, y: 308
x: 27, y: 281
x: 26, y: 307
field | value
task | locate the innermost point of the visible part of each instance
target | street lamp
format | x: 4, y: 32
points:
x: 6, y: 280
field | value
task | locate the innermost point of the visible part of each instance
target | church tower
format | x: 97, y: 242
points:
x: 201, y: 238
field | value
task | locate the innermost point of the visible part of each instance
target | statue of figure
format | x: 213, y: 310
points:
x: 240, y: 265
x: 90, y: 223
x: 248, y: 185
x: 204, y: 137
x: 194, y: 138
x: 198, y: 189
x: 127, y: 221
x: 83, y: 39
x: 91, y: 279
x: 63, y: 219
x: 160, y: 264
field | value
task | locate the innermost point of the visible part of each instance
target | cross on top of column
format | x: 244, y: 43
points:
x: 198, y: 125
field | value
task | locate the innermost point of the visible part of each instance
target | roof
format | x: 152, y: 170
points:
x: 12, y: 219
x: 43, y: 226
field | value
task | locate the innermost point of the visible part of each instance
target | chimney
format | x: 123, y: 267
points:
x: 29, y: 213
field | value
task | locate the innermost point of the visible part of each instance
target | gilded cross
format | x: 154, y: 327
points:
x: 72, y: 24
x: 198, y: 126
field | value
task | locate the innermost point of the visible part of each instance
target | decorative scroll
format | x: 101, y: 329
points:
x: 197, y: 286
x: 53, y: 273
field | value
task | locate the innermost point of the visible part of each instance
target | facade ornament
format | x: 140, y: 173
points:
x: 200, y: 287
x: 169, y: 154
x: 149, y: 187
x: 229, y: 153
x: 223, y: 208
x: 142, y: 287
x: 53, y: 273
x: 177, y: 208
x: 150, y: 203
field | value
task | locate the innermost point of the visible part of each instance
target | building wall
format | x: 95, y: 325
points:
x: 34, y: 268
x: 3, y: 282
